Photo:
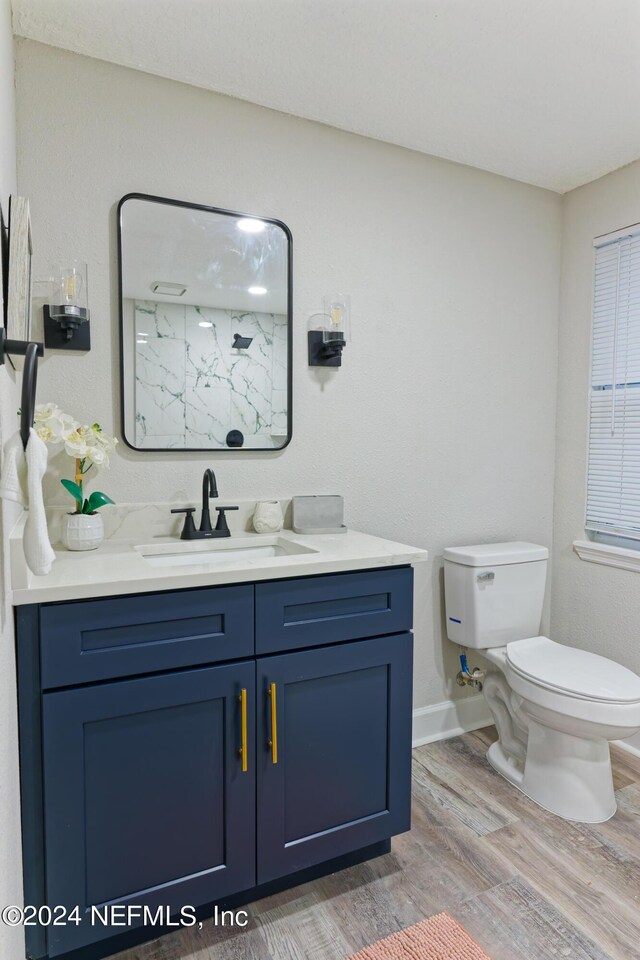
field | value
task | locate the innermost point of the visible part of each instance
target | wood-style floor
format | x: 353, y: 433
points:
x: 525, y: 884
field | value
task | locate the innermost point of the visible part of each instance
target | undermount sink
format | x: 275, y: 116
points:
x: 221, y: 551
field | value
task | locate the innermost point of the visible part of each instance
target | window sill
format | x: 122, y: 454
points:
x: 607, y: 554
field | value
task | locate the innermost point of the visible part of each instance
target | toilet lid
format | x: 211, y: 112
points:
x: 573, y: 671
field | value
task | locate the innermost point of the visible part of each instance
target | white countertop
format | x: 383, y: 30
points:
x: 117, y: 567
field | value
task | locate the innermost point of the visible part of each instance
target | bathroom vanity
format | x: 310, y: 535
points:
x: 217, y: 731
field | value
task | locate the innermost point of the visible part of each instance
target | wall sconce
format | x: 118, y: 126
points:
x: 66, y: 316
x: 328, y: 337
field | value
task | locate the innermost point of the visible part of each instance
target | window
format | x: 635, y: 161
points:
x: 613, y: 485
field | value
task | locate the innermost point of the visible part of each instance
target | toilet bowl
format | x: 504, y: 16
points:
x: 555, y: 707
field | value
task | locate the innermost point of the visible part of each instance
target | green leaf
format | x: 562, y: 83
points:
x: 98, y: 499
x: 85, y: 507
x: 74, y: 490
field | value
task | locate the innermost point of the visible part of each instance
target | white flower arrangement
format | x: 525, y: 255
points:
x: 89, y: 446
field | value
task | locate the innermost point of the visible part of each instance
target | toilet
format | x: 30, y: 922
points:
x: 555, y: 707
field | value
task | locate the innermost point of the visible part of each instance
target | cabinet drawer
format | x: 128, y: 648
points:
x: 100, y: 639
x: 310, y: 611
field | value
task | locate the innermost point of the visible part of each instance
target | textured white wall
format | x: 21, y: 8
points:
x: 11, y: 940
x: 593, y: 606
x: 439, y: 428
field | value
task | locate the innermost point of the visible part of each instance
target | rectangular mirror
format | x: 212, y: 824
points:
x: 205, y: 325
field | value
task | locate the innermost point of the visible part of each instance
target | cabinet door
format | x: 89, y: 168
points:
x: 333, y: 752
x: 146, y: 801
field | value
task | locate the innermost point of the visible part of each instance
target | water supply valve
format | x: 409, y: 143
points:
x: 469, y: 678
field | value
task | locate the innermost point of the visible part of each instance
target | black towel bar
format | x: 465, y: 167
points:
x: 30, y: 351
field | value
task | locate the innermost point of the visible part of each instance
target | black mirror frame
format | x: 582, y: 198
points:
x: 228, y: 213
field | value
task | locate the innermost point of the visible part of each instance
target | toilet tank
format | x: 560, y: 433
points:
x: 494, y: 592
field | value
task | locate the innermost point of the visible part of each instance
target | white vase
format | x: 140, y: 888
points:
x: 82, y: 531
x: 267, y: 517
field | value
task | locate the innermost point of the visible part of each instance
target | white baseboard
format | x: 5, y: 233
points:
x: 440, y: 721
x: 449, y: 719
x: 631, y: 748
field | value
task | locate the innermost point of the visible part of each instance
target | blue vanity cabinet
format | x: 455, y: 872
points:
x: 209, y: 745
x: 145, y: 797
x: 333, y: 751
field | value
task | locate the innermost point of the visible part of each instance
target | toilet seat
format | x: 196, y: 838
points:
x: 572, y: 672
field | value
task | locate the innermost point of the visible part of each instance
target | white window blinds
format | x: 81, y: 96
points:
x: 613, y: 486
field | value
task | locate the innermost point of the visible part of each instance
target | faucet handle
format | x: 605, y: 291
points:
x: 222, y: 528
x: 189, y: 526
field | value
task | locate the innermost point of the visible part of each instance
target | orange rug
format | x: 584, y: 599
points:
x: 438, y: 938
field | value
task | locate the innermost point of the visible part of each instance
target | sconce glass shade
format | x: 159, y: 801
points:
x: 337, y: 318
x: 69, y: 290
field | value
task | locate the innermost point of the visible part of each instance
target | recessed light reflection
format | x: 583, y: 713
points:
x: 258, y: 291
x: 251, y: 226
x: 205, y: 323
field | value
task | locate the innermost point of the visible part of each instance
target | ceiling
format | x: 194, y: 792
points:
x: 544, y: 91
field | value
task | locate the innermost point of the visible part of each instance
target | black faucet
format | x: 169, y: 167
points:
x: 209, y: 489
x: 189, y: 532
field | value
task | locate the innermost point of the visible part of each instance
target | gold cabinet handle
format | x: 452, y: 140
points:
x: 244, y: 753
x: 273, y: 743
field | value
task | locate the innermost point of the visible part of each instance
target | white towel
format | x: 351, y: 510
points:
x: 22, y: 474
x: 13, y: 483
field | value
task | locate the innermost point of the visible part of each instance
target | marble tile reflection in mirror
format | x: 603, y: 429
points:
x: 206, y: 328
